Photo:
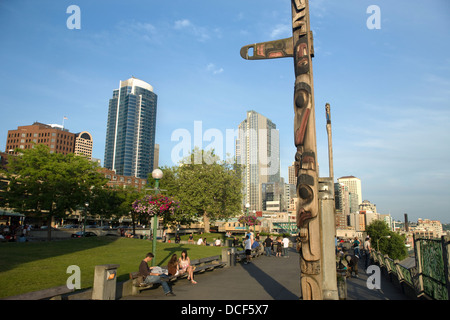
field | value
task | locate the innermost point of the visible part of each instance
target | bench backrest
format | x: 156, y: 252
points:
x: 134, y: 275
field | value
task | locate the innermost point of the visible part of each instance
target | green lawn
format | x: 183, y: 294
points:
x: 31, y: 266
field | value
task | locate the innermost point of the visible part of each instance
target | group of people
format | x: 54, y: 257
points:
x: 349, y: 262
x: 278, y: 247
x: 14, y: 232
x: 175, y: 267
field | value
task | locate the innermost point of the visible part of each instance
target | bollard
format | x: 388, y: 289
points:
x: 105, y: 279
x: 232, y: 257
x: 342, y: 285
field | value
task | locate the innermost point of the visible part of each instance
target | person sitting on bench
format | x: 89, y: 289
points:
x: 152, y: 278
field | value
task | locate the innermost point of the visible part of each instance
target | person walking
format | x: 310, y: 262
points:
x: 285, y: 247
x: 356, y: 245
x: 153, y: 277
x: 268, y: 246
x: 367, y: 251
x: 272, y: 247
x: 248, y: 249
x: 279, y: 247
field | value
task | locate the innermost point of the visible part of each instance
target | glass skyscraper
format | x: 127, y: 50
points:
x: 258, y: 150
x: 131, y: 127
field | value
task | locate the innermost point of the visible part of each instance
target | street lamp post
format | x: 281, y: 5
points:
x: 378, y: 241
x: 157, y: 174
x: 85, y: 218
x: 248, y: 208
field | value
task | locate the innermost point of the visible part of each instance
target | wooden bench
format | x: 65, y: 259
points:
x: 201, y: 265
x: 240, y: 255
x: 207, y: 264
x: 46, y: 294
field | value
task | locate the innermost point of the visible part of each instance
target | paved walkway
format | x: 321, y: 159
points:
x: 265, y: 278
x: 357, y: 288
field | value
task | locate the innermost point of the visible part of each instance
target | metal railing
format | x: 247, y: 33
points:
x: 429, y: 278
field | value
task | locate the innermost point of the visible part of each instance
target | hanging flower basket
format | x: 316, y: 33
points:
x: 157, y: 204
x: 249, y: 220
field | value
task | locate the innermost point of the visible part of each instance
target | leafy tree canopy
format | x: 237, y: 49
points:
x: 389, y: 242
x: 50, y: 184
x: 205, y: 187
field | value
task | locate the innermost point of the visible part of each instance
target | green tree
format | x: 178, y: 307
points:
x: 105, y: 202
x: 206, y: 187
x: 126, y: 198
x: 50, y: 185
x: 389, y: 242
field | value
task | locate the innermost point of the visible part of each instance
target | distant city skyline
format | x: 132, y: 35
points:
x: 389, y: 100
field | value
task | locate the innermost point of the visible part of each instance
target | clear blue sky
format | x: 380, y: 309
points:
x: 389, y: 88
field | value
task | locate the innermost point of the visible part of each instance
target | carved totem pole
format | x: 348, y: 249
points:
x: 300, y: 47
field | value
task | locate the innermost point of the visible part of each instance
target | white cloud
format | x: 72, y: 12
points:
x: 211, y: 67
x: 281, y: 30
x: 180, y: 24
x: 201, y: 33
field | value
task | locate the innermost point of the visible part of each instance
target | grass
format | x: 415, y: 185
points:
x: 32, y: 266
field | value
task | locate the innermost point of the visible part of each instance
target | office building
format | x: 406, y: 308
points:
x: 83, y: 144
x: 341, y: 198
x: 258, y: 150
x: 120, y: 181
x: 131, y: 128
x: 354, y: 187
x: 291, y: 174
x: 366, y: 205
x: 58, y: 139
x: 273, y: 196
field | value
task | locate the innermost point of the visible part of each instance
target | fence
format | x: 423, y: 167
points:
x: 429, y: 279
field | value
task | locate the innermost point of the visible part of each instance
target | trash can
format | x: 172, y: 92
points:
x: 105, y: 279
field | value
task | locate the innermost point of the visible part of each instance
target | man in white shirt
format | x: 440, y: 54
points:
x: 285, y: 247
x: 200, y: 242
x: 367, y: 249
x: 248, y: 249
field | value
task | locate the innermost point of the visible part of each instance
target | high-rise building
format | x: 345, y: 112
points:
x: 273, y: 196
x: 58, y: 139
x: 354, y: 187
x: 291, y: 174
x: 341, y: 198
x: 131, y: 128
x: 258, y: 150
x: 83, y: 144
x: 366, y: 205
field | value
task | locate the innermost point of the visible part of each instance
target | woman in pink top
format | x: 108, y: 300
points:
x: 185, y: 265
